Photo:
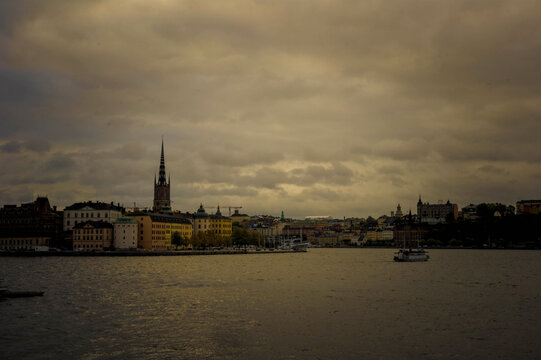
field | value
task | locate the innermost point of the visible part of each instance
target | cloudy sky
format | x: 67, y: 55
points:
x: 342, y: 108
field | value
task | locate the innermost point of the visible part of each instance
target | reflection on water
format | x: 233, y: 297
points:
x: 326, y: 303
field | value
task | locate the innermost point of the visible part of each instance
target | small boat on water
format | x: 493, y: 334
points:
x: 411, y: 255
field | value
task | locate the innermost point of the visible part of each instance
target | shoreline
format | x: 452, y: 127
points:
x: 139, y: 253
x: 71, y: 253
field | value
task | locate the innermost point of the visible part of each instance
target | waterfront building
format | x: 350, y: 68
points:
x: 271, y: 234
x: 156, y: 230
x: 218, y: 224
x: 92, y: 236
x: 162, y: 189
x: 201, y: 220
x: 90, y: 211
x: 221, y: 225
x: 436, y: 213
x: 528, y: 207
x: 30, y: 226
x: 408, y: 235
x: 125, y: 233
x: 381, y: 237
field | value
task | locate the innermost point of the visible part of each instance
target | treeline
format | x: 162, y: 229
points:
x: 240, y: 237
x: 510, y: 231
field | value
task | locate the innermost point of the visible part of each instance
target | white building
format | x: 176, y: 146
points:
x: 125, y: 233
x: 94, y: 211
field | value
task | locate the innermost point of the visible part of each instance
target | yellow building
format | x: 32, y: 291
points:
x: 218, y: 224
x: 92, y: 235
x: 239, y: 218
x: 155, y: 230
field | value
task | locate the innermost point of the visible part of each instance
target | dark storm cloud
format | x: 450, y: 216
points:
x: 260, y: 102
x: 16, y: 146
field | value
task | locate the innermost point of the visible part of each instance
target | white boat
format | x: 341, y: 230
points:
x: 411, y: 255
x: 294, y: 244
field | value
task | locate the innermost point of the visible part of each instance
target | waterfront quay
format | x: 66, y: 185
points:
x: 142, y: 253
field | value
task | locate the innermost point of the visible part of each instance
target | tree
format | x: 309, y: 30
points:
x: 176, y: 239
x: 185, y: 241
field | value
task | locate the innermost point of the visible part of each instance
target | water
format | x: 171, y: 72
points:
x: 323, y: 304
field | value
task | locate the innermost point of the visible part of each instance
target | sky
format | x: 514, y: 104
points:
x: 331, y: 108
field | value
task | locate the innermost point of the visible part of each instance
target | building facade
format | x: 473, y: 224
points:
x: 436, y: 213
x: 238, y: 217
x: 92, y: 236
x: 528, y: 207
x: 217, y: 224
x: 90, y: 211
x: 221, y: 225
x: 383, y: 237
x: 125, y: 233
x: 30, y: 226
x: 162, y: 188
x: 156, y: 230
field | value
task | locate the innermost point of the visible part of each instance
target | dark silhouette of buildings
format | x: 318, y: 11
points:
x: 30, y: 225
x: 436, y: 213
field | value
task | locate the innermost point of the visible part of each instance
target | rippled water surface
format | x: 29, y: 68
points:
x: 326, y: 304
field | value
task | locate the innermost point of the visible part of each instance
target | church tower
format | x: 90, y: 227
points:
x: 162, y: 199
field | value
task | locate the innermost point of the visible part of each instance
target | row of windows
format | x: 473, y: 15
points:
x: 90, y: 246
x: 20, y: 242
x: 88, y: 238
x: 88, y: 231
x: 88, y: 215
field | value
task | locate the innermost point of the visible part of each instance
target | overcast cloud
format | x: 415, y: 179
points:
x: 342, y: 108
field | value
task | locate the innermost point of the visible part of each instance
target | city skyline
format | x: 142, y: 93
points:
x: 315, y: 108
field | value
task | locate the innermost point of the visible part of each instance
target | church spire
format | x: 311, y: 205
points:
x: 162, y: 195
x: 161, y: 179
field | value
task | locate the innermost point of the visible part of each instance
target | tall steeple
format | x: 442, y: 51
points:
x: 162, y: 200
x: 161, y: 178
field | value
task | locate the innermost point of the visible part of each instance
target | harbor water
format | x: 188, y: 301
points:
x: 322, y: 304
